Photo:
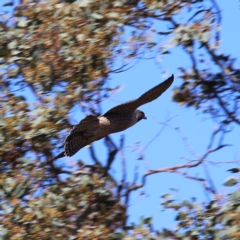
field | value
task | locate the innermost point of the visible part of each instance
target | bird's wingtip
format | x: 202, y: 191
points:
x: 170, y: 79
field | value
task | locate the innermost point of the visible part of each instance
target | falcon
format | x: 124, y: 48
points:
x: 117, y: 119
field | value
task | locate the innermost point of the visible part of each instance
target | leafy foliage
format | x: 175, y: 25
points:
x: 37, y: 207
x: 217, y: 219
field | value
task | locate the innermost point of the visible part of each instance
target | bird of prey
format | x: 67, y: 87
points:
x: 117, y: 119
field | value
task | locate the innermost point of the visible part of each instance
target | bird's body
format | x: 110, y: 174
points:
x: 93, y: 128
x: 117, y: 119
x: 113, y: 124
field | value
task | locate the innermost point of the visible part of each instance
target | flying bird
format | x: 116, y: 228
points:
x: 117, y: 119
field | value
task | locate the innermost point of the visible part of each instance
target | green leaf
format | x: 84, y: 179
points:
x: 2, y: 121
x: 96, y: 16
x: 126, y: 228
x: 22, y: 22
x: 12, y: 44
x: 39, y: 214
x: 195, y: 232
x: 3, y: 230
x: 231, y: 230
x: 17, y: 189
x: 148, y: 220
x: 113, y: 15
x: 235, y: 197
x: 187, y: 204
x: 165, y: 196
x: 204, y: 37
x: 181, y: 216
x: 165, y: 51
x: 80, y: 37
x: 225, y: 208
x: 6, y: 208
x: 21, y: 98
x: 117, y: 236
x: 233, y: 170
x: 15, y: 52
x: 151, y: 45
x: 13, y: 59
x: 231, y: 181
x: 83, y: 3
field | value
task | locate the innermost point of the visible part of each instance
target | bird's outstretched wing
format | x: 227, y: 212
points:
x: 80, y: 135
x: 148, y: 96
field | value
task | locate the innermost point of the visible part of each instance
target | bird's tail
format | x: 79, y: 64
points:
x: 60, y: 155
x: 74, y: 143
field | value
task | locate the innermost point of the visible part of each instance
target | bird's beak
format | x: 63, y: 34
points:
x: 145, y: 117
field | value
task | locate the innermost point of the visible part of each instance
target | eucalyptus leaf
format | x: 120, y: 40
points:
x: 22, y: 22
x: 234, y: 170
x: 231, y: 181
x: 3, y: 230
x: 13, y: 44
x: 96, y: 16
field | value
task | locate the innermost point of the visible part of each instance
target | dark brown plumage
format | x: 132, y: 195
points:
x: 117, y: 119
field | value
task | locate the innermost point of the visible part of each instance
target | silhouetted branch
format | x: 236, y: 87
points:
x: 124, y: 167
x: 190, y: 164
x: 111, y: 157
x: 93, y: 155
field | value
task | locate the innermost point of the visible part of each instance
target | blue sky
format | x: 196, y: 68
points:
x: 168, y: 149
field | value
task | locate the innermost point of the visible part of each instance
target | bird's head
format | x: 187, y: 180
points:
x: 140, y: 115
